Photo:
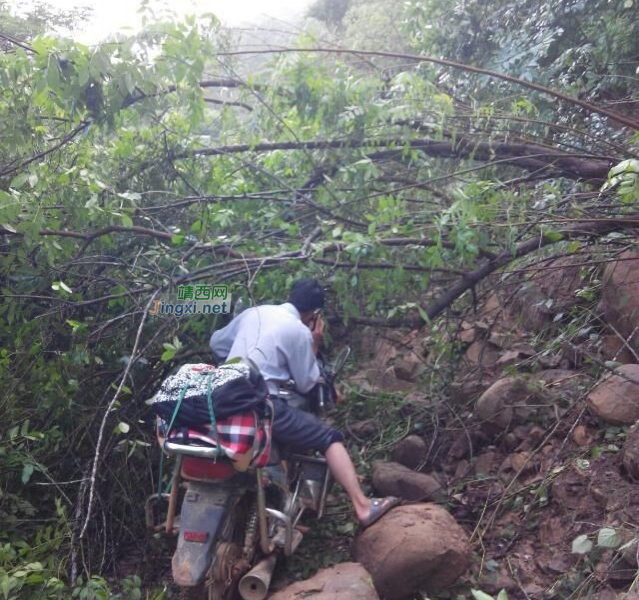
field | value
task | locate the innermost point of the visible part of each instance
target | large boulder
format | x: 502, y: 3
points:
x: 346, y: 581
x: 505, y: 404
x: 416, y: 547
x: 619, y: 296
x: 393, y: 479
x: 615, y: 399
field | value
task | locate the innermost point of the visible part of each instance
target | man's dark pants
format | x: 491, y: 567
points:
x: 301, y: 430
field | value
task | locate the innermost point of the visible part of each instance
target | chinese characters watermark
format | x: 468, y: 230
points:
x: 195, y: 300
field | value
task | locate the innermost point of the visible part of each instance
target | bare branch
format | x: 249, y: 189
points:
x: 525, y: 156
x: 591, y: 108
x: 593, y: 229
x: 65, y: 140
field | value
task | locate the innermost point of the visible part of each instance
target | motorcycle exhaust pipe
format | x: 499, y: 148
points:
x: 254, y: 585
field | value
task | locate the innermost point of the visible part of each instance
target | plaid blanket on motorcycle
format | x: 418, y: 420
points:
x: 243, y: 411
x: 244, y: 438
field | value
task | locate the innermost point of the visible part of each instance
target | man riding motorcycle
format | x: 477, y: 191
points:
x: 283, y: 341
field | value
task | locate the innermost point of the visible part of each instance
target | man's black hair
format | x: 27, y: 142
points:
x: 306, y: 294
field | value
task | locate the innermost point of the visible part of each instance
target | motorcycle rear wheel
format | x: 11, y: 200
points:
x: 222, y: 579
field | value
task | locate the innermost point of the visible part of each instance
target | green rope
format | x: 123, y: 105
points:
x: 209, y: 401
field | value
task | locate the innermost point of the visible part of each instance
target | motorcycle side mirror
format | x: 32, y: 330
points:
x: 340, y: 360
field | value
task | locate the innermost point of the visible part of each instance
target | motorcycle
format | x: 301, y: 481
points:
x: 233, y: 526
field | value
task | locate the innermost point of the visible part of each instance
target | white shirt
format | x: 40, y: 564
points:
x: 276, y: 340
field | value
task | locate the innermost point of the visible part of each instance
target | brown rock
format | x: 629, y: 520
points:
x: 504, y: 403
x: 417, y: 547
x: 501, y: 340
x: 521, y: 461
x: 468, y: 388
x: 619, y: 296
x: 461, y: 470
x: 521, y: 432
x: 551, y: 361
x: 366, y: 340
x: 630, y: 456
x: 525, y: 349
x: 615, y: 399
x: 549, y: 292
x: 509, y: 358
x: 613, y: 349
x: 611, y: 490
x: 464, y: 444
x: 482, y: 354
x: 408, y: 369
x: 386, y: 379
x: 467, y: 336
x: 393, y: 479
x: 410, y: 452
x: 346, y: 581
x: 628, y: 549
x: 570, y: 490
x: 360, y: 379
x: 581, y: 436
x: 511, y: 441
x: 484, y: 463
x: 414, y: 404
x: 363, y: 429
x: 606, y: 594
x: 495, y: 581
x: 562, y: 384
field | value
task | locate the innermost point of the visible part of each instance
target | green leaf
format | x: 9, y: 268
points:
x: 553, y: 236
x: 581, y: 545
x: 625, y: 166
x: 18, y: 181
x: 5, y: 585
x: 608, y: 538
x: 167, y: 355
x: 503, y: 595
x: 27, y: 471
x: 123, y: 427
x: 60, y: 285
x: 479, y: 595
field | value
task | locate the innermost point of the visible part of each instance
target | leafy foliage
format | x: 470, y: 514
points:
x: 140, y: 164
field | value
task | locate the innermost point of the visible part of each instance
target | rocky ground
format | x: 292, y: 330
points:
x: 518, y: 466
x: 510, y: 433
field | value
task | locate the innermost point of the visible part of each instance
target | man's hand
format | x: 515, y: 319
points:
x: 317, y: 330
